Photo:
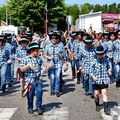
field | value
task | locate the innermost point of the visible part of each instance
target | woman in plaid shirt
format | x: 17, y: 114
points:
x: 4, y: 59
x: 116, y: 58
x: 87, y: 56
x: 21, y: 54
x: 101, y: 72
x: 55, y: 53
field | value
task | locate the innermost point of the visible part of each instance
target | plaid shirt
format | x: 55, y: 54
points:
x: 88, y: 56
x: 4, y: 55
x: 30, y: 74
x: 70, y: 44
x: 100, y: 69
x: 11, y: 50
x: 116, y: 51
x: 55, y: 50
x: 110, y: 49
x: 21, y: 53
x: 77, y: 46
x: 104, y: 43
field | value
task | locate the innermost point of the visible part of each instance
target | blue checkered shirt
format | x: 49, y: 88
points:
x: 11, y: 50
x: 88, y: 56
x: 104, y: 43
x: 55, y: 50
x: 70, y: 44
x: 116, y: 51
x: 100, y: 69
x: 21, y: 53
x: 110, y: 49
x: 77, y: 46
x: 30, y: 74
x: 4, y: 55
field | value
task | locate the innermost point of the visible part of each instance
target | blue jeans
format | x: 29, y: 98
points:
x: 77, y: 63
x: 73, y: 67
x: 8, y: 76
x: 88, y: 84
x: 117, y: 71
x: 3, y: 75
x: 37, y: 90
x: 55, y: 79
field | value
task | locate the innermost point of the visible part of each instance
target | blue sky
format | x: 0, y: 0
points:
x: 80, y: 2
x: 2, y: 2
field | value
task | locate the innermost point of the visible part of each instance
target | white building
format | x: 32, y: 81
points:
x: 97, y: 21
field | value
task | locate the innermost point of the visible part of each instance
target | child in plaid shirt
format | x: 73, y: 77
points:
x: 31, y: 66
x: 101, y: 72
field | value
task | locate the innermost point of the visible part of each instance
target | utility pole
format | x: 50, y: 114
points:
x: 46, y: 20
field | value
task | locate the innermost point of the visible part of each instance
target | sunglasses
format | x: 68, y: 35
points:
x: 118, y: 34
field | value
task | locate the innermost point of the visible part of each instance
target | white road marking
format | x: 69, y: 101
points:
x: 7, y: 113
x: 61, y: 113
x: 115, y: 114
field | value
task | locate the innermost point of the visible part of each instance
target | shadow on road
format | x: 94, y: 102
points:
x: 50, y: 106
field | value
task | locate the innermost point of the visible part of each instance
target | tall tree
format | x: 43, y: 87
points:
x: 73, y: 11
x: 31, y: 13
x: 113, y: 8
x: 97, y: 8
x: 3, y: 13
x: 86, y: 8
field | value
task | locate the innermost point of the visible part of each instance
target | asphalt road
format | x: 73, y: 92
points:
x: 71, y: 105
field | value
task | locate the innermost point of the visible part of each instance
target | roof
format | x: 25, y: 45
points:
x: 90, y: 14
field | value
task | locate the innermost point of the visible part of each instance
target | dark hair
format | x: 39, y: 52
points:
x: 117, y: 32
x: 112, y: 33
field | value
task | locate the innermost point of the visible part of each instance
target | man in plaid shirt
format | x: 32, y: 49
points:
x: 4, y: 57
x: 116, y: 58
x: 101, y: 70
x: 55, y: 53
x: 31, y: 66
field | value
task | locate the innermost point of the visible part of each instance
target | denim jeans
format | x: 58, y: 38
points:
x: 55, y: 79
x: 3, y: 75
x: 8, y: 72
x: 117, y: 71
x: 73, y: 67
x: 88, y: 84
x: 37, y: 90
x: 77, y: 63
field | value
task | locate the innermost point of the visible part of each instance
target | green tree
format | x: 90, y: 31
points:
x: 97, y: 8
x: 113, y: 8
x: 105, y: 8
x: 31, y: 13
x: 3, y: 13
x: 86, y: 8
x: 73, y: 11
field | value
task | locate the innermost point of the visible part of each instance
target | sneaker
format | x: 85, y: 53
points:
x: 98, y: 108
x: 52, y: 93
x: 40, y: 112
x: 58, y: 94
x: 30, y: 111
x: 78, y: 82
x: 3, y: 88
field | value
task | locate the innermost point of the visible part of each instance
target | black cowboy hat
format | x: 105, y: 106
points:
x: 33, y: 45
